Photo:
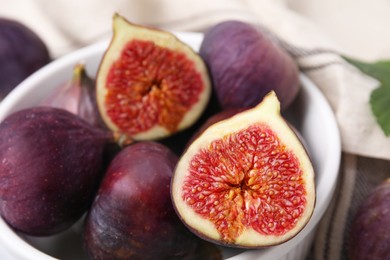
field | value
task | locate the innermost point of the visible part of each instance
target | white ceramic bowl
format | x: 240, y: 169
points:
x: 310, y: 114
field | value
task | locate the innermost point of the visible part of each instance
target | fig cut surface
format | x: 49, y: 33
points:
x: 149, y: 83
x: 246, y: 181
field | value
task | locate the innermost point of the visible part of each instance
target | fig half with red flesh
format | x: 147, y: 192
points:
x: 246, y: 181
x: 149, y: 83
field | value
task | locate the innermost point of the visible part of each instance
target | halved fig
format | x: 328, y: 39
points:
x: 246, y: 181
x: 149, y: 83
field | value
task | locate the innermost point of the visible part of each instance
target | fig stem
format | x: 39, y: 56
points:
x: 80, y: 76
x: 122, y: 139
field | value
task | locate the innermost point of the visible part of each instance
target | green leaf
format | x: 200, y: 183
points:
x: 380, y: 106
x: 379, y: 70
x: 380, y: 97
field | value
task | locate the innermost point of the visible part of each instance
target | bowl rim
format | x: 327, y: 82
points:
x: 24, y: 250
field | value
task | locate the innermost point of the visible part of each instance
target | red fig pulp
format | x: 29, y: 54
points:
x: 246, y: 181
x: 150, y: 85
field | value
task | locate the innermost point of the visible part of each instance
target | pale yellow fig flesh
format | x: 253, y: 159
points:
x: 150, y: 84
x: 246, y: 181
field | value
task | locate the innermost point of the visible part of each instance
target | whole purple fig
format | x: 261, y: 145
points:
x: 246, y: 64
x: 370, y: 228
x: 50, y: 167
x: 22, y: 52
x: 132, y: 216
x: 78, y: 96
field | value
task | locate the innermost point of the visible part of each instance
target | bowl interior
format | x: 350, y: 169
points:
x: 310, y: 114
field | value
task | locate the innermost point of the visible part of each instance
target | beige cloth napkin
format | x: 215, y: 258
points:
x: 67, y: 25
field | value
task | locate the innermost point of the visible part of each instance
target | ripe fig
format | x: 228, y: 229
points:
x: 132, y: 216
x: 22, y: 52
x: 245, y: 64
x: 50, y: 166
x: 149, y: 83
x: 78, y: 96
x: 370, y: 228
x: 246, y: 181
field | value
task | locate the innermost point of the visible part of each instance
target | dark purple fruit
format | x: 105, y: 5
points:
x: 245, y: 65
x: 22, y: 52
x: 132, y: 216
x: 370, y: 229
x: 50, y: 166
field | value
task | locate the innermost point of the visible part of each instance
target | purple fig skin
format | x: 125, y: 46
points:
x: 50, y: 168
x: 245, y: 65
x: 22, y: 52
x: 132, y: 216
x: 370, y: 229
x: 78, y: 96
